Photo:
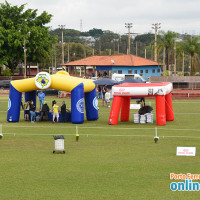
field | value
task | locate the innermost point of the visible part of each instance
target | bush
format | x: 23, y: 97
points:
x: 7, y: 72
x: 186, y: 74
x: 179, y: 74
x: 166, y: 73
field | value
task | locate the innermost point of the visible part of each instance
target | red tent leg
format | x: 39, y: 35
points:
x: 169, y: 107
x: 115, y: 110
x: 125, y: 110
x: 160, y: 110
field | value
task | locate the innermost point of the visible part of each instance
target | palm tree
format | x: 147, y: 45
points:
x: 191, y: 47
x: 168, y: 44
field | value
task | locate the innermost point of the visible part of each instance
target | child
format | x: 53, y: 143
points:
x: 55, y: 112
x: 107, y: 98
x: 26, y: 109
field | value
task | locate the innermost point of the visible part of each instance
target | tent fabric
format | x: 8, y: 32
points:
x: 105, y: 81
x: 131, y: 80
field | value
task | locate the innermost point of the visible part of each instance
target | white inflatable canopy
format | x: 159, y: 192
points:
x: 142, y: 89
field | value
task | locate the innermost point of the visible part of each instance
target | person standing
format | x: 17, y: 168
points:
x: 99, y: 92
x: 104, y: 90
x: 107, y: 98
x: 32, y: 111
x: 26, y: 110
x: 22, y: 106
x: 41, y: 96
x: 63, y: 110
x: 45, y: 112
x: 55, y: 112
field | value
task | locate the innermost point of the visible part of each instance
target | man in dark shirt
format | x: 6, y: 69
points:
x: 32, y: 111
x: 63, y: 110
x: 104, y: 90
x: 45, y: 112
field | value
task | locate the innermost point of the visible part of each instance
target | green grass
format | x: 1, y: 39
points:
x: 109, y: 162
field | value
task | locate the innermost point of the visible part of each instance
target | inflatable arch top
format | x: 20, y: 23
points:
x: 59, y: 81
x: 122, y: 95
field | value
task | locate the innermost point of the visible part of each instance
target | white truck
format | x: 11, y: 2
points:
x: 121, y: 77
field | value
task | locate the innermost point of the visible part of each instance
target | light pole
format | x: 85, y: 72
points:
x: 156, y: 26
x: 25, y: 53
x: 129, y: 26
x: 62, y: 27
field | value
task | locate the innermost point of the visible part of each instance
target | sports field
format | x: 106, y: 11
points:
x: 108, y: 163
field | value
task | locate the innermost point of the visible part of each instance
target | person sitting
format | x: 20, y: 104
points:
x: 45, y: 112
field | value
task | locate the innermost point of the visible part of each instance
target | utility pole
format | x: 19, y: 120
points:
x: 114, y: 46
x: 175, y: 57
x: 136, y: 49
x: 55, y: 58
x: 84, y: 49
x: 155, y: 26
x: 183, y: 64
x: 164, y: 66
x: 68, y: 51
x: 61, y: 28
x: 52, y: 59
x: 129, y: 26
x: 25, y: 53
x: 118, y: 45
x: 145, y: 53
x: 99, y: 46
x: 25, y: 57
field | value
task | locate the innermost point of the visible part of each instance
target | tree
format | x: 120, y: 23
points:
x: 95, y: 32
x: 15, y: 25
x: 168, y: 44
x: 191, y: 47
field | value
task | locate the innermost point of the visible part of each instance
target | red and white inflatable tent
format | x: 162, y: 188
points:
x: 122, y: 95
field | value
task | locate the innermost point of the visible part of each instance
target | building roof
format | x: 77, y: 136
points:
x: 113, y: 60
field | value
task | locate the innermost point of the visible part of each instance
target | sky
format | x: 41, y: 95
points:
x: 181, y: 16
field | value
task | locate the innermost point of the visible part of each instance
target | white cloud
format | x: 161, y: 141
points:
x: 179, y: 15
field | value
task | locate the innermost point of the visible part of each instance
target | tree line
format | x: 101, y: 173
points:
x: 25, y: 33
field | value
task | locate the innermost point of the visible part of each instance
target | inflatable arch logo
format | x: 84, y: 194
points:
x: 43, y: 80
x: 80, y: 89
x: 95, y: 103
x: 80, y: 106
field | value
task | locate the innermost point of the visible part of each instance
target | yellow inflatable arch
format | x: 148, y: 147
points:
x: 80, y: 88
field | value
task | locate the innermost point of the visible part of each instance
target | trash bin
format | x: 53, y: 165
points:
x: 59, y: 144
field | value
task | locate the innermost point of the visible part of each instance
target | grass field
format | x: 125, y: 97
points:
x: 109, y: 162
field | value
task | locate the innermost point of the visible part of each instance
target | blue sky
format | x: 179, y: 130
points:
x: 182, y: 16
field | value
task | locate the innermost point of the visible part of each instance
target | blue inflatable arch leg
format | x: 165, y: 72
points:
x: 91, y: 105
x: 14, y: 104
x: 77, y: 105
